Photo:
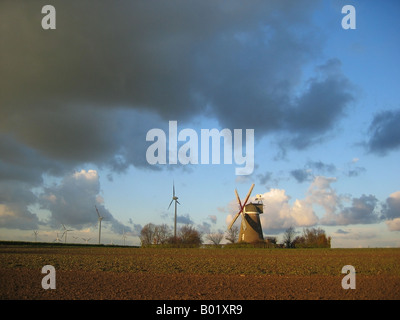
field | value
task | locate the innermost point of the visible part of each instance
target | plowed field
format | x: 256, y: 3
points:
x: 197, y: 274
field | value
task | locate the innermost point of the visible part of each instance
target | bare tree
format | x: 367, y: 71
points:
x: 215, y: 238
x: 147, y: 234
x: 232, y: 234
x: 189, y: 235
x: 288, y: 237
x: 161, y: 234
x: 313, y: 238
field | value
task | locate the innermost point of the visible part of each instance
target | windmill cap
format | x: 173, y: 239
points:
x: 254, y: 208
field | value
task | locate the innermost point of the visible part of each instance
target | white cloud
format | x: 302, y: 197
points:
x: 393, y: 225
x: 86, y: 175
x: 280, y: 214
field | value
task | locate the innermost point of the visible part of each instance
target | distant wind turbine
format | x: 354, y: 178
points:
x: 174, y: 198
x: 86, y: 240
x: 99, y: 219
x: 35, y: 233
x: 123, y: 235
x: 65, y: 233
x: 57, y: 239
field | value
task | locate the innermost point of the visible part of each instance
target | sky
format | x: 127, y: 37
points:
x: 78, y: 104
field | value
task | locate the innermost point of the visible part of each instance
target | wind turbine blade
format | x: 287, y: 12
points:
x: 177, y: 201
x: 170, y: 203
x: 97, y: 212
x: 173, y: 189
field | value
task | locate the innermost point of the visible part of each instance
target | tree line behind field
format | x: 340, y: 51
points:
x: 311, y: 238
x: 189, y: 236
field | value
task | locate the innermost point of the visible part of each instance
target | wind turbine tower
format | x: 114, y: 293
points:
x: 99, y: 219
x: 65, y: 232
x: 35, y: 233
x: 174, y: 198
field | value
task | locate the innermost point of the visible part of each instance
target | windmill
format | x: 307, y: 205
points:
x: 99, y: 219
x: 174, y: 198
x: 250, y: 227
x: 65, y: 233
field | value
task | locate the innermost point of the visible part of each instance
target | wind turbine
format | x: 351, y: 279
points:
x: 99, y: 219
x: 123, y: 235
x: 65, y: 232
x: 57, y: 239
x: 86, y: 240
x: 35, y: 232
x: 174, y: 198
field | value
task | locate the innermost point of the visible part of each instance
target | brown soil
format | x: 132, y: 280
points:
x: 26, y: 284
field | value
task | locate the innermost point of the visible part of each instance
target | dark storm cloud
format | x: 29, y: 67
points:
x: 72, y: 202
x: 167, y: 56
x: 318, y: 109
x: 15, y: 199
x: 89, y: 91
x: 238, y: 62
x: 22, y: 163
x: 384, y: 132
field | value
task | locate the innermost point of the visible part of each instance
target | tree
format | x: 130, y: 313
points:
x: 313, y: 238
x: 215, y: 238
x: 288, y: 237
x: 147, y: 234
x: 161, y: 234
x: 232, y: 234
x: 189, y: 235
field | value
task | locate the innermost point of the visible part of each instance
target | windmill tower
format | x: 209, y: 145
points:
x: 250, y: 227
x: 174, y: 198
x: 99, y: 219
